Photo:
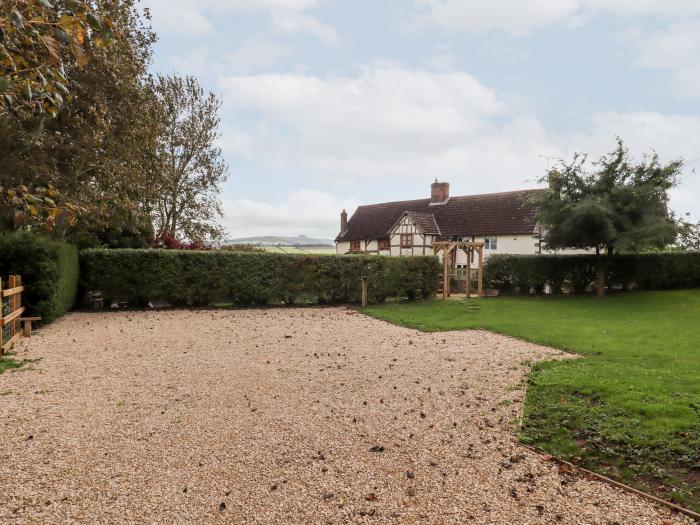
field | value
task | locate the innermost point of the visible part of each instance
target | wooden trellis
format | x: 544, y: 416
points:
x: 11, y: 315
x: 447, y: 247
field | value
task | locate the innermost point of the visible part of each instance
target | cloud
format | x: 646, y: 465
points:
x: 257, y: 53
x: 188, y: 18
x: 675, y: 48
x: 390, y: 126
x: 179, y: 18
x: 307, y: 212
x: 387, y: 123
x: 518, y: 18
x: 294, y: 23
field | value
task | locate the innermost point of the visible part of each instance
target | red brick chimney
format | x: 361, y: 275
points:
x: 343, y: 221
x: 440, y: 192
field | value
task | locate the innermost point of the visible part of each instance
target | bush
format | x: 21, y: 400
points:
x: 49, y: 270
x: 203, y: 278
x: 653, y: 271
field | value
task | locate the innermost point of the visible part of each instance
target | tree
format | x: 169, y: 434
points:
x: 190, y: 166
x: 37, y: 38
x: 614, y: 204
x: 99, y: 151
x: 688, y: 235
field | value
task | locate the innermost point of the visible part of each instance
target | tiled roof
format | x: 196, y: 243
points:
x: 489, y: 214
x: 425, y: 221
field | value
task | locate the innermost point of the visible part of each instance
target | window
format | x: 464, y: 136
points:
x: 354, y: 246
x: 491, y: 243
x: 383, y: 244
x: 406, y: 240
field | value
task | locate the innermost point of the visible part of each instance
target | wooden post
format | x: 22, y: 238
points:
x: 2, y: 314
x: 469, y: 271
x: 481, y: 271
x: 12, y: 281
x: 364, y: 291
x: 18, y: 305
x: 445, y: 278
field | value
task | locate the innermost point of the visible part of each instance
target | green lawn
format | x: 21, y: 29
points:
x: 630, y: 407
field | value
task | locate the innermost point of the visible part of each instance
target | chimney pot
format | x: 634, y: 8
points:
x: 439, y: 192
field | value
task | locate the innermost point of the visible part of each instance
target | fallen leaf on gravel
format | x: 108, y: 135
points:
x: 377, y: 448
x: 222, y: 506
x: 371, y: 497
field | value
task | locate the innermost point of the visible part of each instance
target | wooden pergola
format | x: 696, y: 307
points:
x: 447, y: 247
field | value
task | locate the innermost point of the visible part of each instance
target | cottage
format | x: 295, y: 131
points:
x: 502, y: 221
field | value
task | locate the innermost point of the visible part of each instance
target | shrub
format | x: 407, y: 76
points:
x: 203, y: 278
x: 653, y: 271
x: 49, y: 270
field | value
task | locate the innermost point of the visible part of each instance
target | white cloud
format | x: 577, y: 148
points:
x: 295, y: 23
x: 387, y: 124
x: 257, y: 53
x: 307, y: 212
x: 676, y: 48
x: 194, y: 18
x: 179, y: 18
x: 391, y: 126
x: 520, y: 18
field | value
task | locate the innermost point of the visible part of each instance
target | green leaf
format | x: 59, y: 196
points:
x: 94, y: 22
x: 63, y: 89
x: 5, y: 84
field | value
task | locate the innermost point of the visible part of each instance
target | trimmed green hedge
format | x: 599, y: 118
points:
x: 210, y: 277
x: 49, y: 270
x: 653, y: 271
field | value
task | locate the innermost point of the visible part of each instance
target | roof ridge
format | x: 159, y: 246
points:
x: 497, y: 193
x: 413, y: 201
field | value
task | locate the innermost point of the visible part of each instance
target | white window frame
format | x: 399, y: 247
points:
x: 491, y: 243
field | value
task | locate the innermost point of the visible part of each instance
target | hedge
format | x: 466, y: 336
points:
x: 49, y: 270
x: 653, y: 271
x: 211, y: 277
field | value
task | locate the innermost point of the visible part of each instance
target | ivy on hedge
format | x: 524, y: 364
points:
x: 210, y: 277
x: 49, y: 270
x: 653, y: 271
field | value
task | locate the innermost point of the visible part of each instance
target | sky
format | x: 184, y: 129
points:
x: 330, y: 104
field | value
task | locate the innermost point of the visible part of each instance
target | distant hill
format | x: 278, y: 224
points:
x: 273, y: 240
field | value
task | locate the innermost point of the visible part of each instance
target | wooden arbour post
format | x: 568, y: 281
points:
x: 447, y: 247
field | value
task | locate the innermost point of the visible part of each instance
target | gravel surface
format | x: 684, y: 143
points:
x: 279, y: 416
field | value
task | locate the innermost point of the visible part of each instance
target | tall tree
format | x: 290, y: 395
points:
x: 614, y: 204
x: 100, y: 148
x: 191, y: 168
x: 37, y: 38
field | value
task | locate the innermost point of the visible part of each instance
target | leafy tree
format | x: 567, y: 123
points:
x: 99, y: 151
x: 37, y: 38
x: 614, y: 204
x: 190, y: 166
x: 688, y: 235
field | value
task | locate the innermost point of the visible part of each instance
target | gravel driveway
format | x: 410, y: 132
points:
x: 279, y: 416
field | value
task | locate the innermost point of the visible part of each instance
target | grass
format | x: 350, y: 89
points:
x: 7, y: 363
x: 314, y: 250
x: 630, y: 407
